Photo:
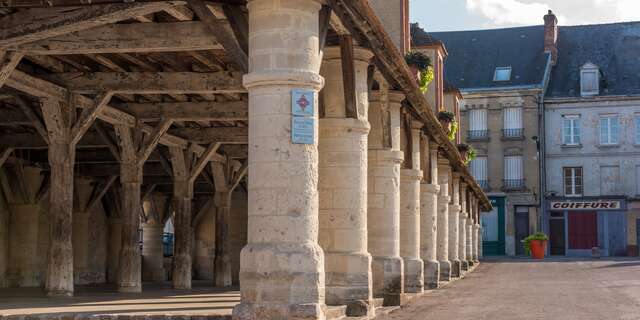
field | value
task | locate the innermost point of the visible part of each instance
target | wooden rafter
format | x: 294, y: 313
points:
x: 36, y: 24
x: 151, y: 82
x: 88, y: 116
x: 8, y: 62
x: 128, y: 38
x: 225, y: 135
x: 99, y: 192
x: 190, y: 111
x: 223, y: 35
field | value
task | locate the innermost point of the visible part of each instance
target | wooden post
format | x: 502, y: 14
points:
x: 185, y: 173
x: 182, y: 196
x: 62, y: 133
x: 129, y: 264
x: 226, y: 178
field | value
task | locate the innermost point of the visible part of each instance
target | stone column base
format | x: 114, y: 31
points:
x: 445, y: 270
x: 152, y: 274
x: 413, y: 275
x: 456, y: 268
x: 388, y: 279
x: 464, y: 265
x: 256, y: 311
x: 351, y: 285
x: 431, y: 274
x: 471, y: 263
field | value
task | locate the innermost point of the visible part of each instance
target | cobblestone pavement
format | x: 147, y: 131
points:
x: 522, y: 289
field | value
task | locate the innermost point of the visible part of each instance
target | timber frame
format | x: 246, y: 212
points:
x: 138, y: 55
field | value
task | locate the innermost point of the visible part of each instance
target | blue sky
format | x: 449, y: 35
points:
x: 445, y: 15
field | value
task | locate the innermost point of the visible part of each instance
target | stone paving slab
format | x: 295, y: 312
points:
x: 520, y: 288
x: 104, y: 303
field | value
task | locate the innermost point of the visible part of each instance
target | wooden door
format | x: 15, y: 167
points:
x: 556, y: 237
x: 583, y: 230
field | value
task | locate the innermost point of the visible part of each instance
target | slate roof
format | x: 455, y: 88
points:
x: 614, y: 48
x: 474, y: 55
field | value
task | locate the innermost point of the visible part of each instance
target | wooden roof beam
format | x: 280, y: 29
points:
x: 128, y: 38
x: 190, y: 111
x: 224, y: 135
x: 41, y: 23
x: 150, y: 82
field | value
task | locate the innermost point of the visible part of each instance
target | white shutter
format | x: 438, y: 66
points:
x: 513, y: 168
x: 478, y: 119
x: 512, y: 118
x: 479, y: 168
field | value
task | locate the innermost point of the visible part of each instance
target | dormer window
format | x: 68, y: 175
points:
x: 589, y: 80
x: 502, y: 74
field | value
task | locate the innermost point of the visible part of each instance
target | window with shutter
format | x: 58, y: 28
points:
x: 513, y: 173
x: 478, y: 124
x: 479, y: 170
x: 512, y: 118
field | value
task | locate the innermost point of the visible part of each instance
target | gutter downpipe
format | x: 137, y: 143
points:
x: 542, y: 150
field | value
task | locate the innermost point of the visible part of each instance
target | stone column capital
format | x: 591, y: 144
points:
x: 283, y: 77
x: 396, y: 97
x: 463, y: 214
x: 392, y: 156
x: 429, y: 188
x: 455, y: 208
x: 360, y: 54
x: 351, y: 125
x: 411, y: 174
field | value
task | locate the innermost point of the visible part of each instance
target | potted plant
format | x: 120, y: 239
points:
x: 467, y: 152
x: 447, y: 119
x: 420, y: 67
x: 536, y: 245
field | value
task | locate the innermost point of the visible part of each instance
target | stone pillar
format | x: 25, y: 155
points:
x: 410, y: 217
x: 383, y: 222
x: 282, y: 265
x: 429, y: 191
x: 152, y: 252
x: 154, y: 208
x: 115, y: 241
x: 478, y: 243
x: 444, y: 172
x: 462, y: 231
x: 454, y: 225
x: 469, y: 245
x: 342, y: 187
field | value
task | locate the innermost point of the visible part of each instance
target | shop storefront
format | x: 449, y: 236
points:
x: 493, y: 228
x: 577, y: 226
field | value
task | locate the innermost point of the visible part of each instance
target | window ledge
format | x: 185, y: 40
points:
x: 606, y: 146
x: 571, y: 146
x: 518, y: 138
x: 484, y: 139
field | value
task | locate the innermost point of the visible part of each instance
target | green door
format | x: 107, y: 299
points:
x: 493, y: 229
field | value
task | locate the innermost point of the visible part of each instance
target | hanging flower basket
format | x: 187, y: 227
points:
x: 420, y: 67
x: 446, y: 119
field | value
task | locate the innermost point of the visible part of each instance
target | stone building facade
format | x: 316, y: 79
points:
x: 592, y: 134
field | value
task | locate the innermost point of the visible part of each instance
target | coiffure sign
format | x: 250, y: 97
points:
x: 587, y: 205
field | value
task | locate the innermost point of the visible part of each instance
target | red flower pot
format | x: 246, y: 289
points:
x: 538, y: 248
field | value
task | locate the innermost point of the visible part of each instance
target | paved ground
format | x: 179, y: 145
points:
x: 155, y: 300
x: 522, y: 289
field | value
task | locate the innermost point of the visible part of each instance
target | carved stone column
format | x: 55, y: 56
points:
x: 429, y: 190
x: 470, y: 223
x: 342, y: 185
x: 444, y: 178
x: 454, y: 225
x: 410, y: 215
x: 462, y: 230
x: 282, y: 265
x: 384, y: 200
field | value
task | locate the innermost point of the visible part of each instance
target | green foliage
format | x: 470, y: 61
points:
x: 536, y: 236
x: 446, y: 116
x: 418, y: 59
x: 426, y: 77
x: 454, y: 130
x: 471, y: 154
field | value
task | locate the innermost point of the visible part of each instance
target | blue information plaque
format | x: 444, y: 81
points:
x: 302, y: 102
x: 302, y: 130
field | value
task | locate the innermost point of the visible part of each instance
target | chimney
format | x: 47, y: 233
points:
x: 551, y: 36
